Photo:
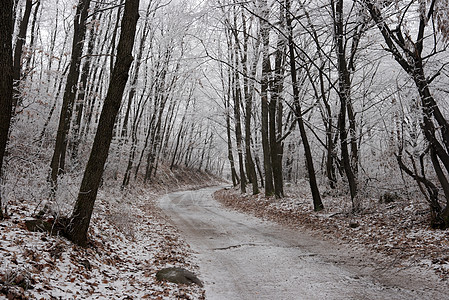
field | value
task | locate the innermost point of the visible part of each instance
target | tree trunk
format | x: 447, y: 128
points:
x: 137, y: 65
x: 33, y: 36
x: 114, y: 37
x: 344, y: 96
x: 82, y: 91
x: 317, y: 203
x: 79, y: 107
x: 6, y: 80
x: 80, y: 218
x: 276, y: 113
x: 237, y: 96
x: 266, y: 69
x: 58, y: 158
x: 250, y: 167
x: 21, y: 37
x: 238, y: 135
x: 235, y: 177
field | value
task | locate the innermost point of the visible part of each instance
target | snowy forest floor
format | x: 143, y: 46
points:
x: 130, y: 240
x: 398, y: 230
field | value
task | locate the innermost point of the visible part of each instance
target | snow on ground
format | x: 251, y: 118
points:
x: 129, y: 241
x: 400, y: 229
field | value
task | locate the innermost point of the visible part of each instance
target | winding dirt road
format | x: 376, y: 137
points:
x: 242, y: 257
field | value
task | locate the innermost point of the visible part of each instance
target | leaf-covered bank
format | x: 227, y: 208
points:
x: 399, y: 230
x: 130, y: 240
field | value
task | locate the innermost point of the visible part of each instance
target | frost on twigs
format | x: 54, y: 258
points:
x: 442, y: 17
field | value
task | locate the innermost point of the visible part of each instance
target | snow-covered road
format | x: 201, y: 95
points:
x: 242, y: 257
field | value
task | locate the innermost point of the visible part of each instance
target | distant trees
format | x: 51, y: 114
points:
x: 264, y: 78
x: 321, y: 62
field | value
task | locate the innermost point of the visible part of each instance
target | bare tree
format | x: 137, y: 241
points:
x: 266, y: 70
x: 411, y: 56
x: 344, y: 93
x: 317, y: 203
x: 58, y: 159
x: 275, y: 107
x: 81, y: 215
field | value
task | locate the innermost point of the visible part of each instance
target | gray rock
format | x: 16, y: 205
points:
x: 178, y: 275
x: 38, y: 225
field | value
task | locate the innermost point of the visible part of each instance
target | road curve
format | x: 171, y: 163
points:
x: 242, y: 257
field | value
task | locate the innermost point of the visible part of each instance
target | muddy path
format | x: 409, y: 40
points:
x: 243, y: 257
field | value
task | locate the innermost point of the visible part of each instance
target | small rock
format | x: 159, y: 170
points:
x: 354, y: 224
x: 38, y: 225
x: 178, y: 275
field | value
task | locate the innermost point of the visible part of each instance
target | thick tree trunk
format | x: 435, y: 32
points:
x: 259, y: 170
x: 6, y: 80
x: 80, y: 218
x: 236, y: 94
x: 276, y: 151
x: 330, y: 154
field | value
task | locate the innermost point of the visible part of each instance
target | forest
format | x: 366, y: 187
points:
x: 345, y: 98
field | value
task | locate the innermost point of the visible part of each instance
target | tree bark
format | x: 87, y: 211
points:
x: 81, y: 215
x: 33, y: 35
x: 236, y: 94
x: 6, y: 80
